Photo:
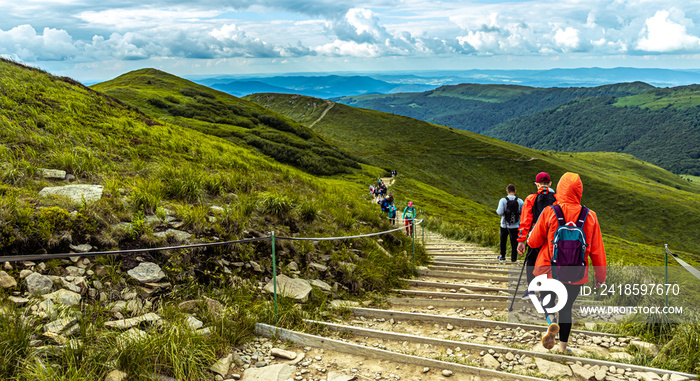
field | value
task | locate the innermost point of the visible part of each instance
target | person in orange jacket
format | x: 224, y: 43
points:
x: 569, y: 191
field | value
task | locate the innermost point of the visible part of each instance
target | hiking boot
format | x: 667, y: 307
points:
x: 549, y: 338
x: 501, y: 258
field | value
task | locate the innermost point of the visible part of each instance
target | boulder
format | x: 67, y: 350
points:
x: 223, y: 365
x: 147, y: 272
x: 65, y: 297
x: 52, y: 174
x: 490, y: 361
x: 6, y: 281
x: 297, y: 289
x: 75, y: 192
x: 552, y: 369
x: 279, y: 372
x: 38, y: 284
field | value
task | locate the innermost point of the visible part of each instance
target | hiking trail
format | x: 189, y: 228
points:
x: 323, y: 114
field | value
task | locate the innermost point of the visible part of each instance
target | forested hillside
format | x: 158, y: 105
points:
x: 476, y: 108
x: 664, y: 135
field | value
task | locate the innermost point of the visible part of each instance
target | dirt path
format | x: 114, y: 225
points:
x: 323, y: 114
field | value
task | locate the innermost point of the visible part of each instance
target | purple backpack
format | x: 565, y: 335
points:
x: 569, y: 248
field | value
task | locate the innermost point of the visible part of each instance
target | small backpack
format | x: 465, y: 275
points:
x: 512, y: 212
x: 569, y: 248
x: 542, y: 201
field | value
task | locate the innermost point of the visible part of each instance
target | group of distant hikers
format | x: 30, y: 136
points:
x: 386, y: 203
x: 562, y: 236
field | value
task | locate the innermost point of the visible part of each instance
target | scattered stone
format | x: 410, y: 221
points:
x: 38, y: 284
x: 52, y: 174
x: 337, y: 376
x: 582, y: 372
x: 292, y: 266
x: 18, y: 301
x: 189, y: 305
x: 449, y: 327
x: 193, y: 323
x: 133, y: 322
x: 621, y: 356
x: 647, y: 376
x: 297, y: 289
x: 321, y: 284
x: 84, y: 248
x: 646, y: 347
x: 223, y: 365
x: 256, y: 267
x: 147, y: 272
x: 552, y: 369
x: 132, y: 335
x: 179, y: 235
x: 281, y: 353
x: 75, y: 192
x: 279, y: 372
x: 447, y: 373
x: 116, y: 375
x: 678, y: 377
x: 6, y: 281
x: 426, y: 370
x: 318, y: 267
x: 65, y: 297
x: 488, y: 313
x: 344, y: 304
x: 490, y: 361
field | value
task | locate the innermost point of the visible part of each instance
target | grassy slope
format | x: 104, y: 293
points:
x: 461, y: 175
x: 179, y: 101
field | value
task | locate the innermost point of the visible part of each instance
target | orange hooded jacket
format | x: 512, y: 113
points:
x: 569, y: 190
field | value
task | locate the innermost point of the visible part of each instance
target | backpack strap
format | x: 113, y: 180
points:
x: 582, y: 217
x: 560, y: 214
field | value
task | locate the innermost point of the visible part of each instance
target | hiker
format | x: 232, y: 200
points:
x: 568, y: 211
x: 533, y: 206
x: 509, y: 208
x: 409, y: 213
x: 371, y: 190
x: 385, y: 204
x: 392, y: 213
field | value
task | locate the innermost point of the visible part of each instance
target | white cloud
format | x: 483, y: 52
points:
x: 568, y: 39
x: 24, y: 42
x: 348, y: 48
x: 664, y: 35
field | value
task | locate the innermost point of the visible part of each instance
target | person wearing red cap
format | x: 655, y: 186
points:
x: 533, y: 206
x: 409, y: 213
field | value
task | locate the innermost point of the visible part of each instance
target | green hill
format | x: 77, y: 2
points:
x: 475, y: 107
x: 179, y: 101
x: 460, y: 175
x: 661, y: 126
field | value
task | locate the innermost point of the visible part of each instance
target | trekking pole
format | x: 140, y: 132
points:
x: 413, y: 238
x: 515, y: 294
x: 274, y: 275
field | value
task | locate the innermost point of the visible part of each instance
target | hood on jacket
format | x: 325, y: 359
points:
x: 569, y: 189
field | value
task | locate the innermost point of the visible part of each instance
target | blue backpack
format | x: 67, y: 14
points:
x: 569, y: 248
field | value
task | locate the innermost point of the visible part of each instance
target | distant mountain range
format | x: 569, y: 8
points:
x: 339, y: 84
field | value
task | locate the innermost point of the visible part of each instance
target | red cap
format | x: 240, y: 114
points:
x: 542, y: 177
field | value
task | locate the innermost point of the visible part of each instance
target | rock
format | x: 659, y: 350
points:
x: 447, y: 373
x: 65, y: 297
x: 38, y: 284
x: 488, y: 313
x: 321, y: 284
x: 678, y: 377
x: 147, y: 272
x: 223, y: 365
x: 52, y: 174
x: 621, y: 356
x: 281, y: 353
x: 116, y: 375
x: 6, y: 281
x: 75, y: 192
x: 279, y: 372
x: 449, y: 327
x: 193, y: 323
x: 256, y: 266
x: 133, y: 322
x: 490, y: 361
x: 297, y: 289
x: 84, y: 248
x: 179, y: 235
x: 189, y: 305
x: 132, y: 335
x: 318, y: 267
x: 214, y: 306
x: 552, y: 369
x: 344, y: 303
x: 647, y: 376
x: 426, y: 370
x: 132, y: 306
x: 582, y: 372
x: 337, y: 376
x: 18, y: 301
x: 600, y: 374
x: 645, y: 347
x: 292, y: 266
x: 60, y: 325
x: 70, y: 286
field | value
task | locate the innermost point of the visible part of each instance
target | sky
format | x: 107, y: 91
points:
x: 90, y: 40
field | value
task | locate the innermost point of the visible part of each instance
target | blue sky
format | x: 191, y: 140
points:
x: 97, y: 42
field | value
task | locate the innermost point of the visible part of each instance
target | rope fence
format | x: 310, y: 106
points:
x: 271, y: 238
